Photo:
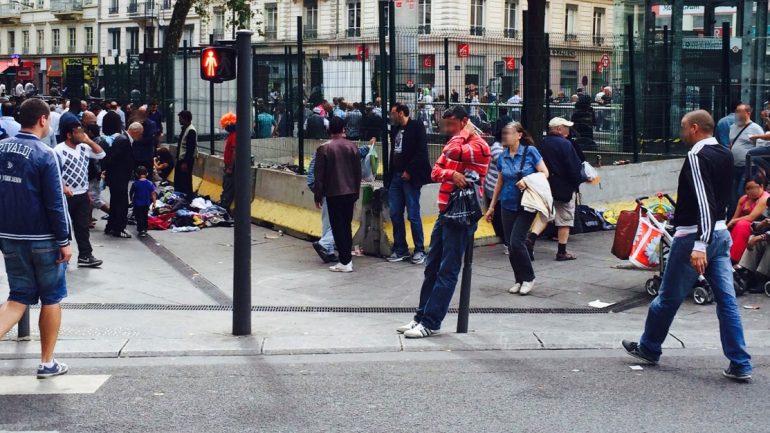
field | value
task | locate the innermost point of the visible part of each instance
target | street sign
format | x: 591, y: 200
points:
x: 463, y: 50
x: 218, y: 64
x: 428, y: 60
x: 510, y: 63
x: 410, y: 84
x: 362, y: 50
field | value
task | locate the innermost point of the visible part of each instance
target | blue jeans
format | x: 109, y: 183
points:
x: 402, y: 193
x: 678, y: 280
x: 442, y: 267
x: 33, y: 274
x: 327, y: 238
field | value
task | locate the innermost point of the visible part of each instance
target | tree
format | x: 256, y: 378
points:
x: 535, y: 70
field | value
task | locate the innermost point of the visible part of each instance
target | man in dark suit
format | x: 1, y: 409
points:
x: 409, y: 171
x: 118, y: 166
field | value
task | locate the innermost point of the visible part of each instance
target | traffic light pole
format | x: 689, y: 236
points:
x: 211, y: 108
x: 242, y: 232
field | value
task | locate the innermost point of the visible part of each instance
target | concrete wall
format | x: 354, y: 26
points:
x: 623, y: 183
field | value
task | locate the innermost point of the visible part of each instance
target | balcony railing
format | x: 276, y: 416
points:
x: 144, y: 9
x: 66, y: 6
x: 55, y: 49
x: 512, y: 33
x: 310, y: 32
x: 271, y: 33
x: 570, y: 37
x: 132, y: 51
x: 353, y: 32
x: 219, y: 34
x: 89, y: 48
x: 424, y: 29
x: 10, y: 11
x: 598, y: 40
x: 477, y: 31
x: 132, y: 8
x: 113, y: 10
x: 25, y: 50
x: 72, y: 49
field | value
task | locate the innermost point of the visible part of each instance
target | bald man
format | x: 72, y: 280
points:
x: 119, y: 165
x: 144, y: 146
x: 701, y: 246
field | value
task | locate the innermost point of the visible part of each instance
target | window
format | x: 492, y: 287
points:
x: 188, y: 34
x: 41, y: 4
x: 11, y: 42
x: 311, y: 19
x: 114, y: 6
x: 89, y: 39
x: 598, y: 32
x: 511, y: 8
x: 219, y: 24
x: 424, y: 11
x: 133, y: 40
x: 547, y: 17
x: 166, y: 4
x: 477, y: 17
x: 40, y: 41
x: 271, y: 20
x: 25, y: 41
x: 568, y: 83
x: 73, y: 41
x: 149, y: 37
x: 115, y: 36
x: 56, y: 38
x: 570, y: 23
x: 354, y: 18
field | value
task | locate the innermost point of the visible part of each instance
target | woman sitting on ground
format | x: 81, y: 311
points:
x: 750, y: 207
x: 164, y: 163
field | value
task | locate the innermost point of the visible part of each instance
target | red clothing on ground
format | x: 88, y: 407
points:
x: 459, y: 154
x: 230, y: 149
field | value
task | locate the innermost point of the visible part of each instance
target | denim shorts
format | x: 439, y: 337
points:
x: 33, y: 274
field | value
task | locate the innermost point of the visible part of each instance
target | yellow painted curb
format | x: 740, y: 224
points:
x: 210, y: 189
x: 485, y: 230
x: 292, y: 218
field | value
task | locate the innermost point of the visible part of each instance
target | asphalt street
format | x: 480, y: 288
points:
x: 502, y: 391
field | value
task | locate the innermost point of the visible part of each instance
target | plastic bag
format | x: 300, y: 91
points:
x: 464, y: 206
x: 645, y: 251
x: 588, y: 172
x: 369, y: 165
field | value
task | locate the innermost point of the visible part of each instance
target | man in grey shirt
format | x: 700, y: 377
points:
x: 741, y: 144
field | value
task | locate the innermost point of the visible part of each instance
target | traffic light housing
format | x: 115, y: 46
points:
x: 218, y: 64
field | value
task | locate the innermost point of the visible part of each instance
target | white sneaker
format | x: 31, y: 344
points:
x: 526, y: 287
x: 407, y: 327
x: 515, y: 289
x: 505, y: 250
x: 339, y: 267
x: 419, y: 331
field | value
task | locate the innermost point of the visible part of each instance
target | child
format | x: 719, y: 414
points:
x: 142, y: 196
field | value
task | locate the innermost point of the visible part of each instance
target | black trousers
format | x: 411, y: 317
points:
x: 80, y: 213
x: 341, y: 219
x: 118, y: 218
x: 497, y: 221
x: 228, y: 190
x: 516, y: 225
x: 140, y: 214
x: 183, y: 177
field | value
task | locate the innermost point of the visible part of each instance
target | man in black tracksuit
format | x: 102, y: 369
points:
x: 701, y: 246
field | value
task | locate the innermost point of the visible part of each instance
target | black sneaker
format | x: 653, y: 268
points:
x: 633, y: 349
x: 733, y: 374
x: 142, y: 234
x: 326, y: 257
x: 89, y: 262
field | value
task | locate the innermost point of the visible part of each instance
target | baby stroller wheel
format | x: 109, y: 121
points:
x: 701, y: 295
x: 741, y: 281
x: 652, y: 285
x: 767, y: 288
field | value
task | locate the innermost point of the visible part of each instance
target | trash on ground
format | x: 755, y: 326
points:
x: 600, y: 304
x: 276, y: 236
x: 635, y: 367
x: 357, y: 251
x: 751, y: 307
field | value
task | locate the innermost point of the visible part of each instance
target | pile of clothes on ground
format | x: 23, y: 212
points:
x: 175, y: 211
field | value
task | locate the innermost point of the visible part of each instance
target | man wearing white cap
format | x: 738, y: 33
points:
x: 564, y: 166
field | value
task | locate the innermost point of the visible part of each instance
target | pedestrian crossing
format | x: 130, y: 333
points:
x: 67, y: 384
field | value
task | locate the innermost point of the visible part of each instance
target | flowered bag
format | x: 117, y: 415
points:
x: 645, y: 251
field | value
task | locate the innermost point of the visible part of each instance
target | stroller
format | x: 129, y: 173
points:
x: 657, y: 216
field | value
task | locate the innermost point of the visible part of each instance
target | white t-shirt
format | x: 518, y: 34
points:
x: 100, y: 118
x: 19, y: 90
x: 10, y: 125
x: 53, y: 126
x: 74, y: 165
x: 515, y: 99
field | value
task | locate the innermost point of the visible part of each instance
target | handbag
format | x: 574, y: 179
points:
x: 464, y: 206
x: 625, y: 232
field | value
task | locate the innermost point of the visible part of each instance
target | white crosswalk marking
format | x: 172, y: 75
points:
x: 67, y: 384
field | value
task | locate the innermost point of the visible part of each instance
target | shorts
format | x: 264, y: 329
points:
x: 33, y: 274
x: 565, y: 213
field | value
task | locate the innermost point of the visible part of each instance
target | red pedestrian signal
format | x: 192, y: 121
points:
x: 218, y: 64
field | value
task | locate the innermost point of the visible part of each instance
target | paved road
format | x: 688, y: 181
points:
x: 510, y: 391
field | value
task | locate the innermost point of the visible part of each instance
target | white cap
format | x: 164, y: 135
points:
x: 559, y: 121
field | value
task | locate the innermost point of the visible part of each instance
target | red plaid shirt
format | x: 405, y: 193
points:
x: 460, y: 153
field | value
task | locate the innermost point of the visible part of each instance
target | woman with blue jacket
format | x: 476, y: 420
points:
x: 519, y: 159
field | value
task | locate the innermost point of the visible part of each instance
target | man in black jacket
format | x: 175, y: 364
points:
x: 565, y: 177
x: 118, y: 167
x: 701, y: 246
x: 409, y: 171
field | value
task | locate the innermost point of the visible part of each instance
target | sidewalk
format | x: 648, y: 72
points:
x: 168, y: 296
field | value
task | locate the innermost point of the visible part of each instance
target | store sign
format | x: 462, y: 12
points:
x: 463, y: 50
x: 510, y: 63
x: 563, y: 52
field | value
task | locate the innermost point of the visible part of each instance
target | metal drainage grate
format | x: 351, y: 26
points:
x: 616, y: 308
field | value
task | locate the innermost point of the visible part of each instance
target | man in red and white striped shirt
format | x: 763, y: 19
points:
x: 465, y: 151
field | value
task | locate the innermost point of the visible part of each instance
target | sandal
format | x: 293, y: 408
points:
x: 565, y: 257
x: 122, y: 235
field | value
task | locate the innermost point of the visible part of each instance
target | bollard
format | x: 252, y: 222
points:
x: 23, y: 327
x: 242, y: 232
x: 465, y: 289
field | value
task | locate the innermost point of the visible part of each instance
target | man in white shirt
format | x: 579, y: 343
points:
x: 19, y: 89
x: 740, y: 145
x: 7, y: 122
x: 73, y: 155
x: 516, y: 98
x: 53, y: 126
x: 2, y: 89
